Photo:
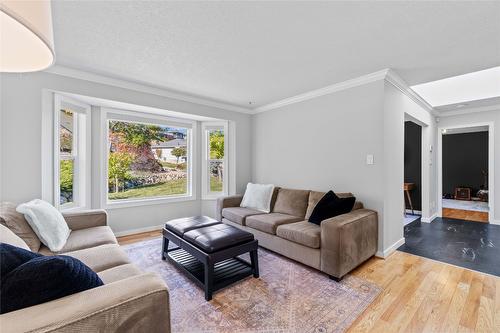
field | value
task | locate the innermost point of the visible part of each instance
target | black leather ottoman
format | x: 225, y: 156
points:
x: 207, y: 250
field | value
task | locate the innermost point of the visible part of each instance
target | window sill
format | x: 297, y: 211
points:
x: 71, y: 208
x: 147, y: 202
x: 213, y: 196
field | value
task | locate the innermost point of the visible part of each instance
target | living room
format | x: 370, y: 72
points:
x: 269, y: 150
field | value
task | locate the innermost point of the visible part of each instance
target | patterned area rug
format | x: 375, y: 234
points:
x: 288, y: 297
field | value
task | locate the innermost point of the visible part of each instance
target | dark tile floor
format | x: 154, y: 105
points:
x: 467, y: 244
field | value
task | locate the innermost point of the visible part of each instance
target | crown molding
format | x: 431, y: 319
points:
x: 145, y: 88
x: 494, y: 107
x: 396, y: 80
x: 387, y: 74
x: 361, y: 80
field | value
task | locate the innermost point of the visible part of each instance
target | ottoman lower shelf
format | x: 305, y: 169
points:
x: 225, y: 273
x: 207, y: 251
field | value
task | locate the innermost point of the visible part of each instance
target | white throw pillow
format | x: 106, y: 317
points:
x: 258, y: 196
x: 47, y: 223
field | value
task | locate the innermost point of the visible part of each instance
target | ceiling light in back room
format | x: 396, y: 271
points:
x: 462, y: 88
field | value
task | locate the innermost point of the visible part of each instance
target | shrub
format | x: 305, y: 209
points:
x: 66, y: 176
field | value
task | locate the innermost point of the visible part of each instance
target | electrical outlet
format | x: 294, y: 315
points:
x: 369, y: 159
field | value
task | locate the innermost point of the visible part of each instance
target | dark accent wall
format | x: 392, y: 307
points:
x: 413, y: 162
x: 464, y: 156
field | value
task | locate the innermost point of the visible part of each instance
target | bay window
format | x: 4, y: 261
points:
x: 137, y: 158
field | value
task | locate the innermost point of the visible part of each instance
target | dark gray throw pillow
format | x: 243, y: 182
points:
x: 29, y: 278
x: 330, y: 205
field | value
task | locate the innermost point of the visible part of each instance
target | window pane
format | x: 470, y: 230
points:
x: 66, y: 132
x: 146, y: 161
x: 216, y: 144
x: 66, y: 181
x: 216, y: 169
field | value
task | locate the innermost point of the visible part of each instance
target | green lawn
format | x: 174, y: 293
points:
x: 172, y: 187
x: 215, y: 184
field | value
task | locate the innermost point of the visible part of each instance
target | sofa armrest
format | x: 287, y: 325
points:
x: 86, y: 219
x: 348, y: 240
x: 224, y: 202
x: 136, y: 304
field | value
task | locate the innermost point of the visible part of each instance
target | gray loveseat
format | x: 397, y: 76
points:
x: 336, y: 247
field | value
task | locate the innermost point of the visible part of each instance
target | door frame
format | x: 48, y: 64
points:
x: 426, y: 161
x: 491, y: 166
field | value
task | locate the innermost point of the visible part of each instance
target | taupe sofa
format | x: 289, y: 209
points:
x: 336, y: 247
x: 129, y: 301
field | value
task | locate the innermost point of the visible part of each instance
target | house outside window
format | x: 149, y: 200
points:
x: 147, y: 159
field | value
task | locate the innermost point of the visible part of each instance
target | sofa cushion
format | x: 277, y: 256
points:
x: 43, y: 279
x: 102, y: 257
x: 258, y: 196
x: 239, y: 214
x: 17, y: 223
x: 357, y: 205
x: 330, y: 206
x: 12, y: 256
x: 119, y: 273
x: 291, y: 202
x: 303, y: 232
x: 315, y: 197
x: 269, y: 222
x: 47, y: 222
x: 84, y: 239
x: 8, y: 237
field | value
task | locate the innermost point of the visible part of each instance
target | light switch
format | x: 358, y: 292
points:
x: 369, y: 159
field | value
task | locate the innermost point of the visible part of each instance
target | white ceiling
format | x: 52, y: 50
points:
x: 237, y: 52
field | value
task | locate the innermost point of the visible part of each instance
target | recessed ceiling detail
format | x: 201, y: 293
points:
x: 458, y: 90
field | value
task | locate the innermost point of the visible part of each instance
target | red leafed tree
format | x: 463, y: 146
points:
x: 136, y: 140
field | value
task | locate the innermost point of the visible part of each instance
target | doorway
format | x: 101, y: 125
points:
x: 412, y: 187
x: 465, y: 172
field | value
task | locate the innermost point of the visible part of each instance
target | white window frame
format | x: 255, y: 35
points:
x: 81, y: 153
x: 205, y: 128
x: 110, y: 114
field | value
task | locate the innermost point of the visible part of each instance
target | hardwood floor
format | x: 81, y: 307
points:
x: 419, y: 295
x: 422, y: 295
x: 468, y: 215
x: 138, y: 237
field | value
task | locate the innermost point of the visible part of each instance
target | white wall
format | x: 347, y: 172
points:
x: 322, y: 143
x: 481, y: 117
x: 20, y: 146
x: 396, y: 106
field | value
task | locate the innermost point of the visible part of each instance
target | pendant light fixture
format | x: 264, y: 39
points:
x: 26, y: 37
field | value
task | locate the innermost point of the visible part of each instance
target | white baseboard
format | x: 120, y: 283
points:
x: 495, y: 222
x: 387, y: 252
x: 429, y: 219
x: 417, y: 212
x: 139, y: 230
